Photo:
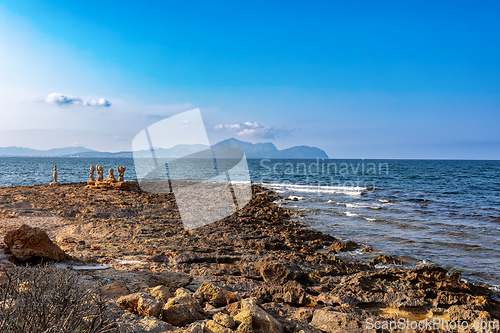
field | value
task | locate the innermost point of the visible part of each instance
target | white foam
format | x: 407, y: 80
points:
x: 351, y: 214
x: 384, y: 201
x: 351, y: 205
x: 369, y: 219
x: 347, y: 190
x: 293, y: 197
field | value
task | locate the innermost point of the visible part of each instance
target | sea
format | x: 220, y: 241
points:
x: 444, y: 212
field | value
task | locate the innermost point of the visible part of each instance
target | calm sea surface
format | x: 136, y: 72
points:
x: 444, y: 212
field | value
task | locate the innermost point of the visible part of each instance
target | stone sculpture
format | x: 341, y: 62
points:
x: 91, y: 175
x: 121, y: 172
x: 54, y: 174
x: 100, y: 173
x: 111, y: 176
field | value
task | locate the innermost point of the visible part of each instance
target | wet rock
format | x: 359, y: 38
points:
x: 291, y: 292
x: 385, y: 259
x: 114, y: 290
x: 344, y: 247
x: 182, y: 309
x: 255, y: 318
x: 141, y: 303
x: 29, y: 244
x: 336, y: 322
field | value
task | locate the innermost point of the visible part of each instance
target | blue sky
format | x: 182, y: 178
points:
x: 401, y: 79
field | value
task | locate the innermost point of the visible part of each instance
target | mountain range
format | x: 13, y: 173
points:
x: 252, y: 150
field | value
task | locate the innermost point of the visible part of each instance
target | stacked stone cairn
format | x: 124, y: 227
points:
x: 108, y: 183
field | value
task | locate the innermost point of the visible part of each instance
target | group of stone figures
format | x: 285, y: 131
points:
x: 100, y: 174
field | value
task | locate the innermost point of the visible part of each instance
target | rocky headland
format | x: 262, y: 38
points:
x: 258, y: 270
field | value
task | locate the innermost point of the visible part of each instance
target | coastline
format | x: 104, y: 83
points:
x: 260, y: 252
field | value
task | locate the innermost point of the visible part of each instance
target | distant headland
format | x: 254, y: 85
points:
x: 252, y: 150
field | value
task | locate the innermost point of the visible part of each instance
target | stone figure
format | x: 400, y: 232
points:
x: 121, y: 172
x: 54, y: 174
x: 91, y: 174
x: 100, y: 173
x: 111, y: 176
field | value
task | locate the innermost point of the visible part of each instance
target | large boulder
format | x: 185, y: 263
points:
x: 171, y: 280
x: 253, y: 318
x: 291, y: 292
x: 141, y: 303
x: 183, y: 309
x: 336, y: 322
x: 28, y: 244
x: 277, y: 272
x: 215, y: 295
x: 161, y: 293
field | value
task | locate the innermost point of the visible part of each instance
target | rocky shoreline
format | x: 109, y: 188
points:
x: 258, y: 270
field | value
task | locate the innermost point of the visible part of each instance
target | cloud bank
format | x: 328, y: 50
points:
x: 60, y: 100
x: 250, y: 129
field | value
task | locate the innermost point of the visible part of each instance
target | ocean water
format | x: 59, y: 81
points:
x: 428, y: 211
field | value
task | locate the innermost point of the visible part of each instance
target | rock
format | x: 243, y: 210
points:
x: 304, y: 314
x: 224, y: 320
x: 277, y: 272
x: 214, y: 327
x: 344, y: 247
x: 182, y: 309
x: 291, y: 292
x: 141, y: 303
x: 161, y: 293
x: 253, y: 317
x: 336, y: 322
x: 213, y: 294
x: 171, y: 280
x: 29, y: 244
x: 153, y: 325
x: 114, y: 290
x: 468, y: 313
x: 65, y: 239
x: 144, y: 325
x: 245, y: 326
x: 385, y: 259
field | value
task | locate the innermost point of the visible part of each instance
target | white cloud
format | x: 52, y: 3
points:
x: 250, y: 129
x: 60, y: 99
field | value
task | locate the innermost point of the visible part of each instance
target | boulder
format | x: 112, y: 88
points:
x: 224, y: 320
x: 171, y: 280
x: 252, y: 317
x: 29, y: 244
x: 182, y: 309
x: 114, y: 290
x: 336, y: 322
x: 212, y: 326
x: 279, y: 273
x: 291, y: 292
x: 344, y: 247
x: 161, y: 293
x: 213, y: 294
x: 153, y: 325
x: 141, y: 303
